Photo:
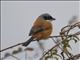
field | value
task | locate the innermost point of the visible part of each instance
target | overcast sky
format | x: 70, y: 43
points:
x: 17, y: 18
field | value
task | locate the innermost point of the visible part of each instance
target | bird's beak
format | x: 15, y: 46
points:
x: 53, y: 19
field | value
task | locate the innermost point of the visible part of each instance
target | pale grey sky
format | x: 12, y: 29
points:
x: 17, y: 18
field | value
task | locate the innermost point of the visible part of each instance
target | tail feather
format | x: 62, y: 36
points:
x: 27, y: 42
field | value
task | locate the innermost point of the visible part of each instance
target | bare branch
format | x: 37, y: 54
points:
x: 10, y: 47
x: 74, y: 57
x: 64, y: 34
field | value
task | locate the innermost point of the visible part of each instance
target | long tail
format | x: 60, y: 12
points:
x: 27, y: 42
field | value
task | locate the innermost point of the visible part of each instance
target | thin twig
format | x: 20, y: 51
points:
x: 75, y: 57
x: 10, y: 47
x: 23, y: 42
x: 50, y: 50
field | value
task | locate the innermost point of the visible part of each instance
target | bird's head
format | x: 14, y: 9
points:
x: 47, y: 16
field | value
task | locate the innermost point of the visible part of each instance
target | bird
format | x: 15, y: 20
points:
x: 41, y: 29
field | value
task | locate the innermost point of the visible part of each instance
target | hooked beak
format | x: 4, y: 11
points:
x: 53, y: 19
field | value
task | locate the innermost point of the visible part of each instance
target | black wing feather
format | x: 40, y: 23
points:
x: 35, y: 30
